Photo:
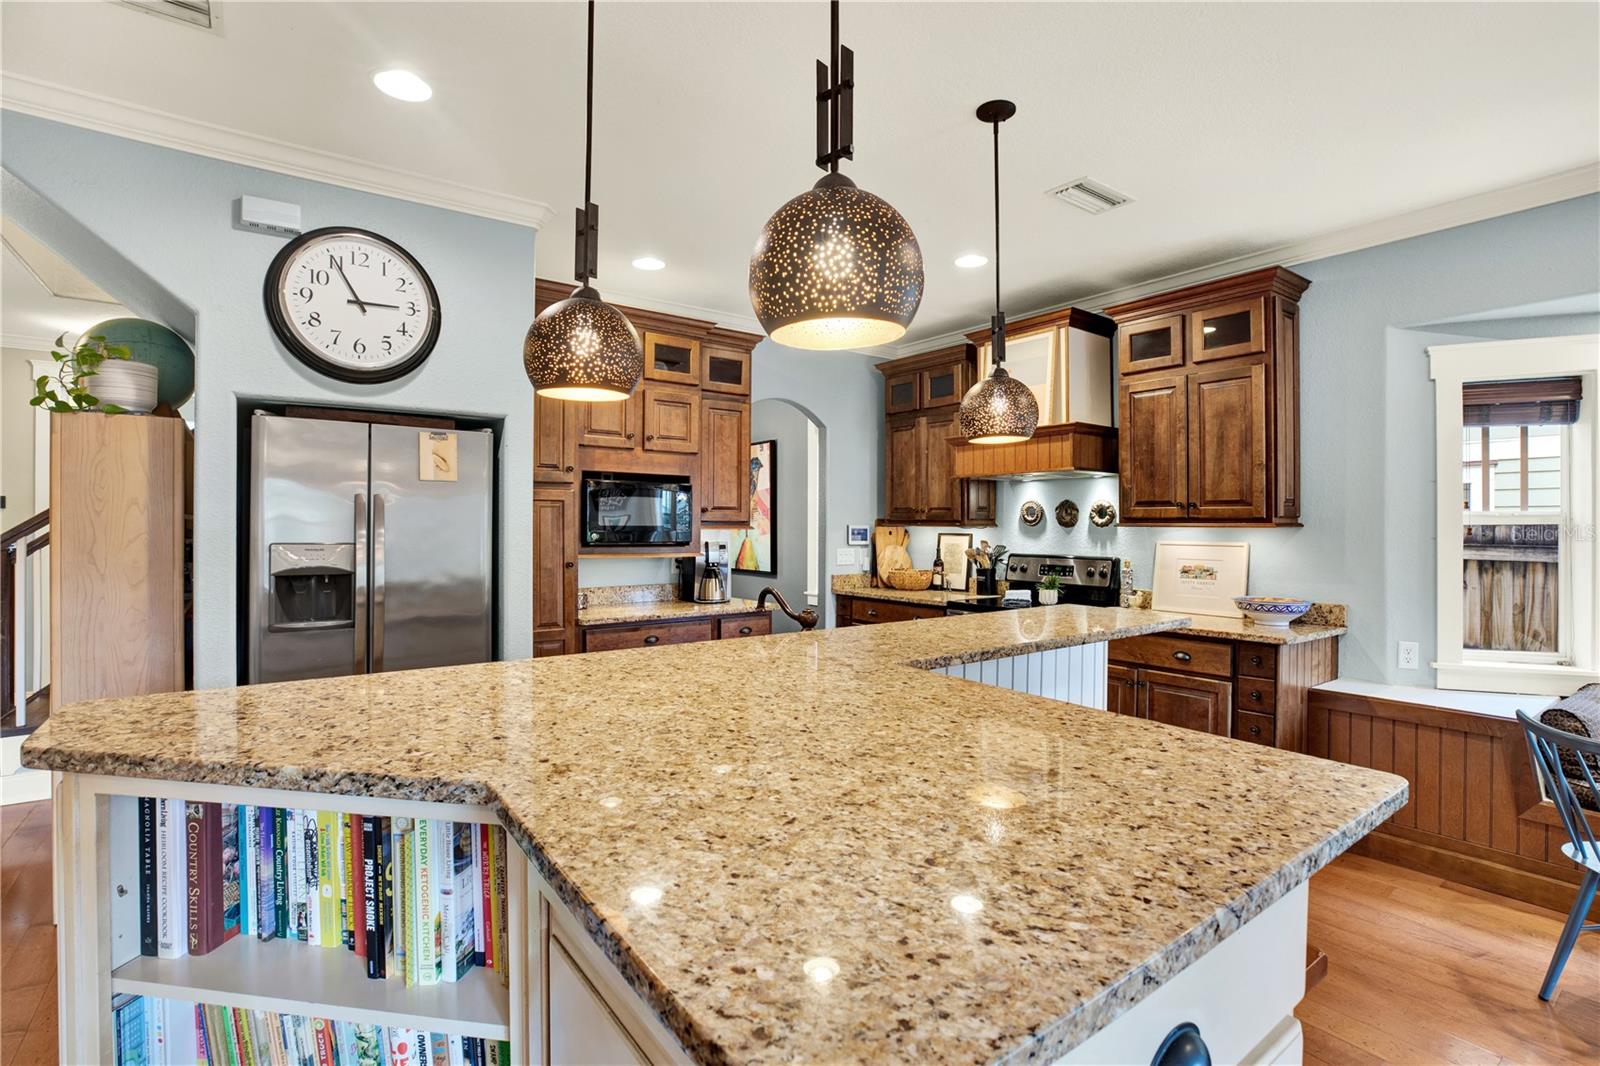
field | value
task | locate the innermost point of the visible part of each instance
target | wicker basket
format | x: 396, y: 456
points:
x: 908, y: 580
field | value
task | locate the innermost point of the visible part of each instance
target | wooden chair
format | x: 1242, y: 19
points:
x: 1565, y: 763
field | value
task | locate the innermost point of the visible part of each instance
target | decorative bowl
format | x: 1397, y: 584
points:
x: 1271, y: 610
x: 908, y: 580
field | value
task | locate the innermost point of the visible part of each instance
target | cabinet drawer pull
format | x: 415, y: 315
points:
x: 1255, y: 731
x: 653, y: 638
x: 745, y: 631
x: 1255, y: 694
x: 649, y: 436
x: 872, y: 612
x: 630, y: 436
x: 1255, y: 660
x: 569, y: 564
x: 1182, y: 656
x: 569, y: 469
x: 703, y: 510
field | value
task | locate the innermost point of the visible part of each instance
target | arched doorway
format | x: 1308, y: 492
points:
x: 799, y: 502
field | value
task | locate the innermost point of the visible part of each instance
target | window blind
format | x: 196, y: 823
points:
x: 1532, y: 402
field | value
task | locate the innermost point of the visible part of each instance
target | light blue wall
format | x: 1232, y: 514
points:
x: 1366, y: 418
x: 788, y: 427
x: 168, y: 216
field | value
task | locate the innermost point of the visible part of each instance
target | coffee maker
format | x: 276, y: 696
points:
x: 705, y: 578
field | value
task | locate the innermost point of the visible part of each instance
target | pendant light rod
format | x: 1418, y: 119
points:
x: 586, y: 242
x: 835, y: 100
x: 588, y: 114
x: 995, y: 112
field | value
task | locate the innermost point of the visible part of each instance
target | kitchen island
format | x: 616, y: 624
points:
x: 810, y: 846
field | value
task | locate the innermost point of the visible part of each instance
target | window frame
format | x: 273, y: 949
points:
x: 1451, y: 366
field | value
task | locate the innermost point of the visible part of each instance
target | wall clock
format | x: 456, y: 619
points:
x: 352, y: 304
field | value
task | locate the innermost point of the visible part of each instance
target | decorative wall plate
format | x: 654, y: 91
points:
x: 1103, y: 514
x: 1032, y: 513
x: 1066, y: 514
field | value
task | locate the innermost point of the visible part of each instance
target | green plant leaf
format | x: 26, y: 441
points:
x: 61, y: 408
x: 36, y: 401
x: 87, y: 400
x: 113, y: 409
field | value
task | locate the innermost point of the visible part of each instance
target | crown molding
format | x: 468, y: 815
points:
x: 26, y: 343
x: 1553, y: 188
x: 44, y: 99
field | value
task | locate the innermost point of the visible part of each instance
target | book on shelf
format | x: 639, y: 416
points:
x: 172, y: 939
x: 203, y: 876
x: 232, y: 897
x: 280, y: 873
x: 148, y: 934
x: 265, y: 872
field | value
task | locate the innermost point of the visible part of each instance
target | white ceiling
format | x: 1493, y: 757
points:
x: 1235, y: 128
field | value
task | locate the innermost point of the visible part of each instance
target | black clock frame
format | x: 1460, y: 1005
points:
x: 271, y: 290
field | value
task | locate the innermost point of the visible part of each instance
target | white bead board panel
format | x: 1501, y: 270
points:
x: 1072, y: 675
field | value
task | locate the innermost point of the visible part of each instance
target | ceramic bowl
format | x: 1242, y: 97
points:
x: 1271, y: 610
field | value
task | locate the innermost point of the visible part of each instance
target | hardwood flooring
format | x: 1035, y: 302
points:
x: 1420, y: 970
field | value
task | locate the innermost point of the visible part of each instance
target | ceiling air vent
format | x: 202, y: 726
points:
x: 1090, y: 196
x: 200, y: 13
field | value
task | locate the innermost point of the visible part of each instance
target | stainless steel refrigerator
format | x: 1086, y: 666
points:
x: 370, y: 548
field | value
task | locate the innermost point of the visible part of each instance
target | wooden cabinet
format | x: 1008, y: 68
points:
x: 555, y: 572
x: 725, y: 369
x: 1209, y: 402
x: 671, y: 419
x: 865, y: 611
x: 724, y: 489
x: 672, y: 359
x: 922, y: 395
x: 1201, y: 703
x: 744, y: 625
x: 555, y: 441
x: 611, y: 424
x: 680, y: 631
x: 1122, y: 690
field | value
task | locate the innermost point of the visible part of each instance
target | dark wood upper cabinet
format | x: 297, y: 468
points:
x: 725, y: 370
x: 943, y: 385
x: 610, y: 424
x: 555, y: 573
x: 671, y: 359
x: 1214, y: 437
x: 921, y: 397
x: 671, y: 419
x: 555, y: 441
x: 902, y: 392
x: 904, y: 465
x: 941, y: 500
x: 724, y: 461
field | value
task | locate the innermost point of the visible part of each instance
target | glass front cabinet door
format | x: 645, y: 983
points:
x: 1150, y: 344
x: 673, y: 359
x: 1228, y: 330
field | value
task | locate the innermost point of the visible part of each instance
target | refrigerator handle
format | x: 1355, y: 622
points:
x: 360, y: 606
x: 377, y: 582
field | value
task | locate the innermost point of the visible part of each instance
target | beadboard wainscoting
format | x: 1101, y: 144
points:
x: 1074, y: 675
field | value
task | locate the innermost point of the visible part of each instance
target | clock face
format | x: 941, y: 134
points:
x: 352, y: 304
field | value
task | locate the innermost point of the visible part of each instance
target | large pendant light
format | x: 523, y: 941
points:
x: 999, y: 409
x: 836, y: 267
x: 582, y: 348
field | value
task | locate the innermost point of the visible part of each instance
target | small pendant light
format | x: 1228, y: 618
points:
x: 836, y: 267
x: 999, y: 409
x: 582, y: 348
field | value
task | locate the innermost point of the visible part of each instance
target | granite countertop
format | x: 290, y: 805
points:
x: 661, y: 611
x: 806, y: 796
x: 1245, y: 629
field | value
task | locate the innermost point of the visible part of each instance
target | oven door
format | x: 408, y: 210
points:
x: 637, y: 511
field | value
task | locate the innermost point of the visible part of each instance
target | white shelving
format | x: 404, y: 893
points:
x: 294, y: 978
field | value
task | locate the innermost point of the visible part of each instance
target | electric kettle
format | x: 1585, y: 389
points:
x: 713, y: 584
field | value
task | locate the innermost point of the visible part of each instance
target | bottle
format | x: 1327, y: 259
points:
x: 938, y: 573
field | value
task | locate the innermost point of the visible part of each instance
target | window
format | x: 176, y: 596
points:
x: 1517, y: 490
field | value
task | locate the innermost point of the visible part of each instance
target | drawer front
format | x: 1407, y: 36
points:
x: 748, y: 626
x: 1175, y: 653
x: 609, y: 639
x: 1258, y: 660
x: 868, y: 611
x: 1256, y: 728
x: 1256, y: 694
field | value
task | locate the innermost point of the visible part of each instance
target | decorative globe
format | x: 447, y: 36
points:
x: 154, y: 345
x: 834, y: 268
x: 998, y: 410
x: 582, y: 348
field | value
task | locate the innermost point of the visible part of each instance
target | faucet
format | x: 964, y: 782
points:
x: 807, y: 618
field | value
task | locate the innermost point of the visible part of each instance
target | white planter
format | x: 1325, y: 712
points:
x: 1048, y: 597
x: 127, y: 384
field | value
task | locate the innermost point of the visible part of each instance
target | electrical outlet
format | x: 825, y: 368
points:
x: 1410, y: 653
x: 844, y: 557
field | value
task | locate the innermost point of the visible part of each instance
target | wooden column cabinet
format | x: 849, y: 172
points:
x: 1209, y: 402
x: 555, y: 442
x: 921, y: 397
x: 555, y: 570
x: 724, y: 488
x: 671, y: 419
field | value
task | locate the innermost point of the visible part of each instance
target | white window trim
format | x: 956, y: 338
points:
x: 1451, y: 366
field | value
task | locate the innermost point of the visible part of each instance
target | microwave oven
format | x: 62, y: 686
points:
x: 636, y: 509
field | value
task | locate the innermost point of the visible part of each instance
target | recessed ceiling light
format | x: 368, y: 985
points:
x: 648, y: 262
x: 971, y: 261
x: 402, y: 85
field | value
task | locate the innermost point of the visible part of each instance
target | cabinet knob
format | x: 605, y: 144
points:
x: 744, y: 631
x: 1255, y: 694
x: 1129, y: 682
x: 1182, y: 656
x: 630, y: 436
x: 1255, y: 660
x: 872, y: 612
x: 1255, y: 731
x: 647, y: 436
x: 569, y: 469
x: 1140, y: 684
x: 1192, y: 505
x: 652, y: 639
x: 703, y: 510
x: 569, y: 564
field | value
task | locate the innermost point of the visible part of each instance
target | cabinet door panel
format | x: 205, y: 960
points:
x: 1153, y: 448
x: 904, y: 467
x: 943, y: 386
x: 977, y: 502
x: 613, y: 424
x: 901, y: 392
x: 1150, y: 344
x: 1228, y: 330
x: 1181, y: 700
x: 671, y: 419
x: 724, y: 487
x: 555, y: 572
x: 672, y: 359
x: 1122, y: 693
x: 555, y: 441
x: 725, y: 370
x: 583, y: 1029
x: 1228, y: 443
x: 941, y: 498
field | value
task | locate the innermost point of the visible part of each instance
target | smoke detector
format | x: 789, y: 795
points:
x: 1088, y: 195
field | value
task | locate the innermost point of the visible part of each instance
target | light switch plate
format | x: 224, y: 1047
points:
x: 844, y: 557
x: 1409, y: 655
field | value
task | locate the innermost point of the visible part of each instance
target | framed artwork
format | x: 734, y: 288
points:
x: 1195, y: 578
x: 858, y: 536
x: 755, y: 549
x: 957, y: 567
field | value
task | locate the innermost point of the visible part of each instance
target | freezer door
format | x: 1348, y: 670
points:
x: 306, y: 611
x: 432, y: 551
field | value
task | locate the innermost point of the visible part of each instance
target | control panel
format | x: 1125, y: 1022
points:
x: 1100, y: 571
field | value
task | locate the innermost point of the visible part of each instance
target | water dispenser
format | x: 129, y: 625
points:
x: 313, y: 586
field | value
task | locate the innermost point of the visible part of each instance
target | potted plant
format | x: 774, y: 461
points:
x: 123, y: 386
x: 1049, y: 590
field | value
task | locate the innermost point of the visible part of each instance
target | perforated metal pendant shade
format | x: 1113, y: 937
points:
x: 836, y: 267
x: 582, y: 348
x: 998, y: 410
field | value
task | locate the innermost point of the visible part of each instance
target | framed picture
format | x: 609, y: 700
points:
x: 957, y: 567
x: 755, y: 550
x: 1195, y: 578
x: 858, y: 536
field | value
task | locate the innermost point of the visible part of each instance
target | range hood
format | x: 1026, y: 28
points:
x: 1053, y: 453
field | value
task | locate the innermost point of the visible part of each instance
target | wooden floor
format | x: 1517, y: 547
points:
x: 1420, y: 970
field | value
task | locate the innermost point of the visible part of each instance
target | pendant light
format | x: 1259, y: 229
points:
x: 582, y: 348
x: 836, y: 267
x: 999, y: 409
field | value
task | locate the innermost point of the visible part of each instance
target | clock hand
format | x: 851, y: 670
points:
x: 355, y: 299
x: 369, y: 303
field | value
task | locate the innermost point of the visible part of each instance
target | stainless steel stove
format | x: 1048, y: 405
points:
x: 1088, y: 580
